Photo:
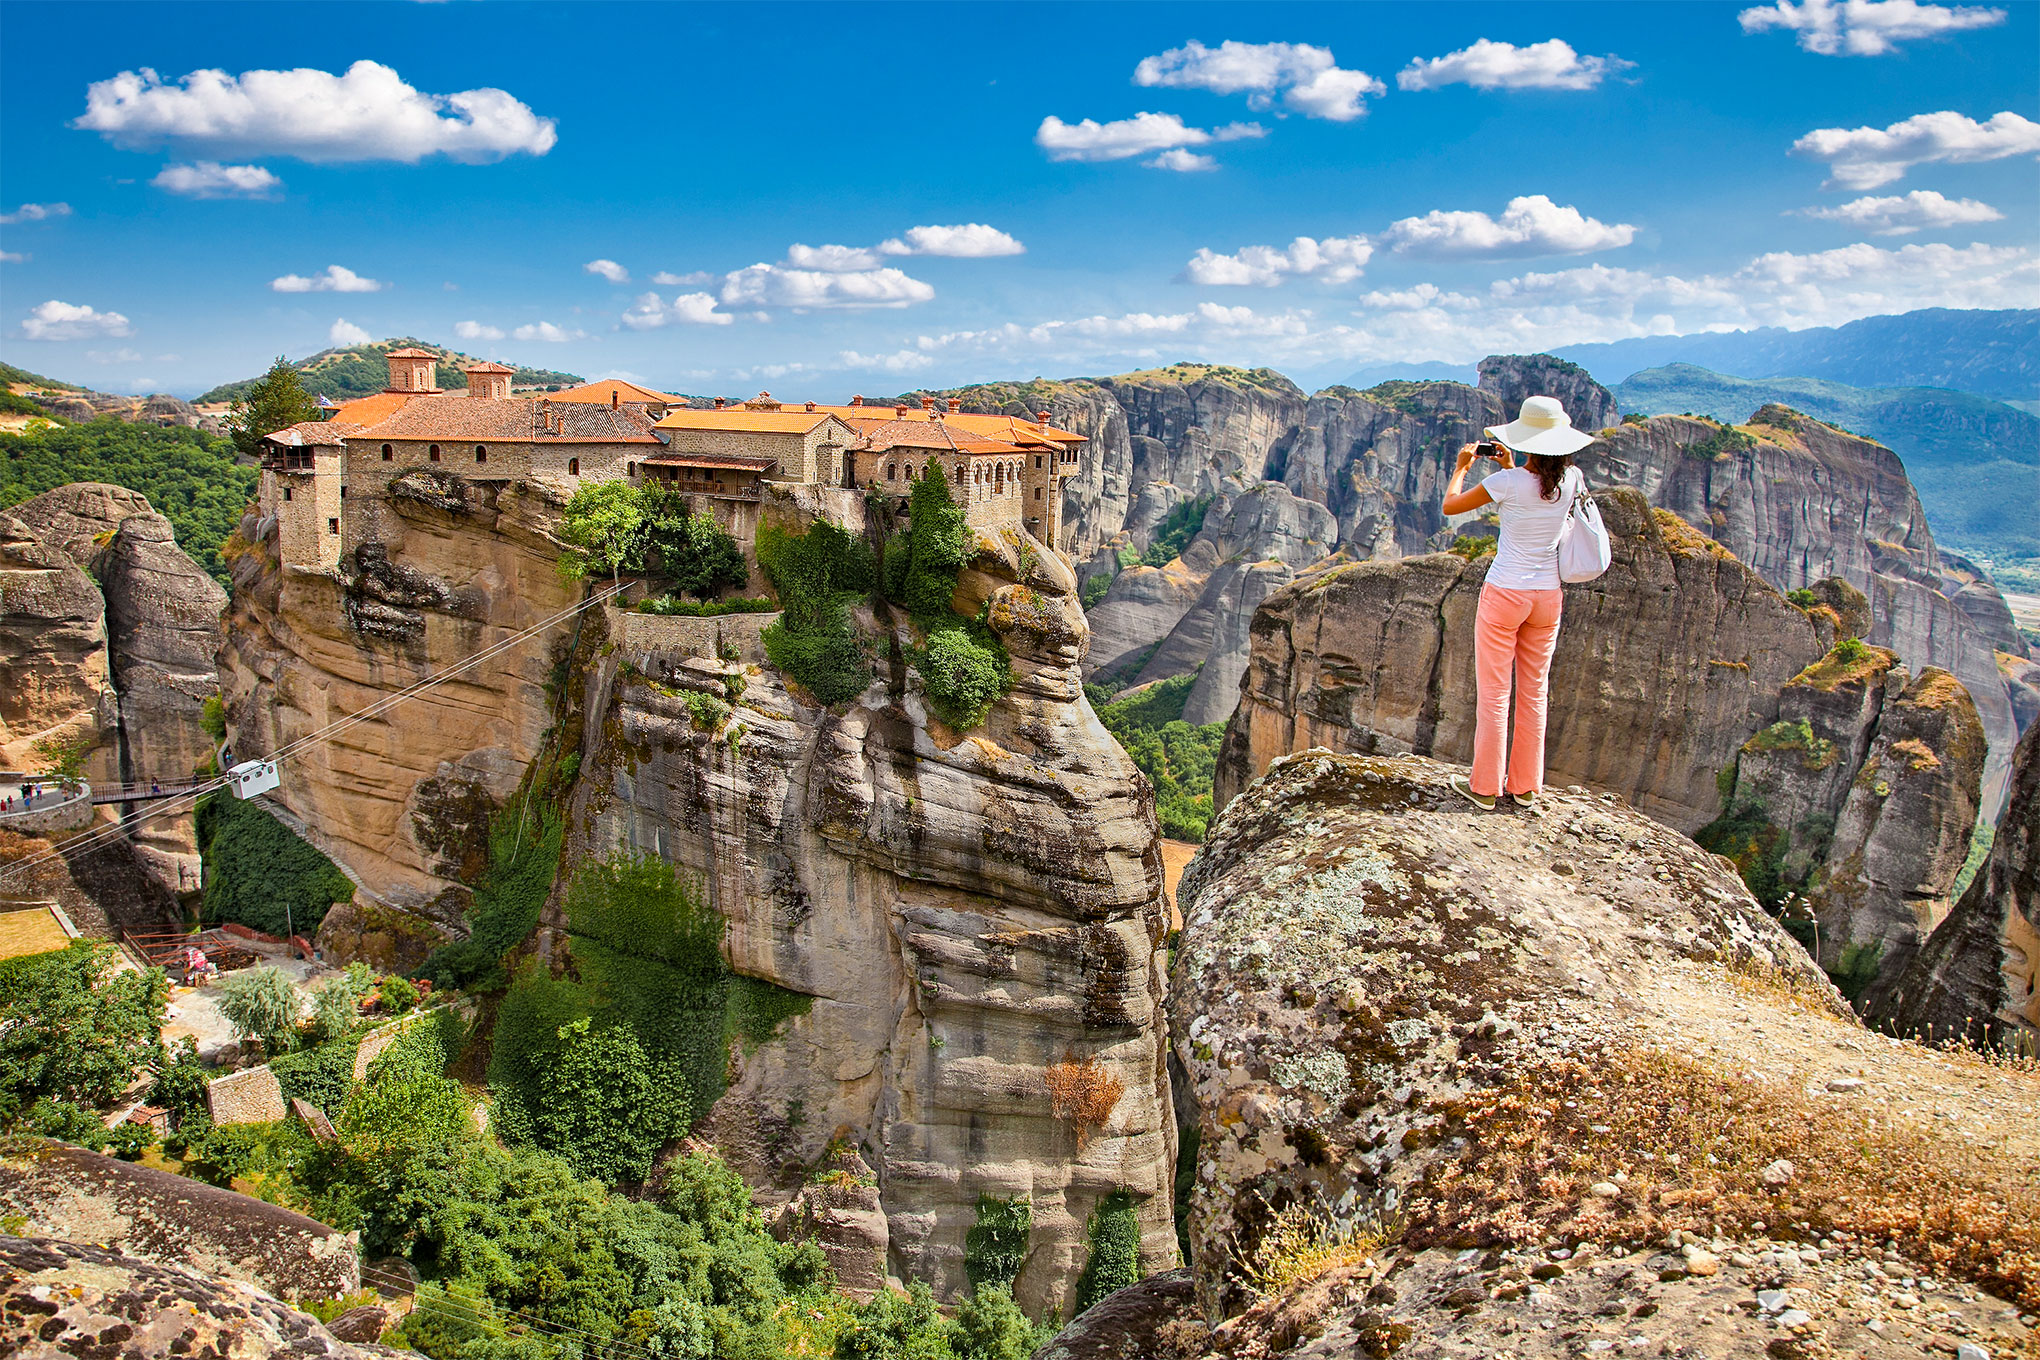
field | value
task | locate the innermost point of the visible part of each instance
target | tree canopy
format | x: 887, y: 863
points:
x: 75, y: 1027
x: 276, y: 401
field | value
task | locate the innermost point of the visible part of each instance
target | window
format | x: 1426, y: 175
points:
x: 1037, y: 493
x: 286, y: 493
x: 433, y: 453
x: 890, y: 469
x: 633, y: 469
x: 388, y: 453
x: 332, y: 526
x: 1037, y: 462
x: 343, y: 491
x: 573, y: 467
x: 481, y: 453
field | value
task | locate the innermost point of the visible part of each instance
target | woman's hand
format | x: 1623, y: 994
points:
x: 1505, y: 455
x: 1465, y: 458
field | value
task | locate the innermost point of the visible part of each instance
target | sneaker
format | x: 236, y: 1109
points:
x: 1464, y: 789
x: 1530, y: 804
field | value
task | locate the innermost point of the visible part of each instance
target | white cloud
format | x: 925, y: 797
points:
x: 1422, y: 296
x: 123, y: 355
x: 347, y: 333
x: 1864, y: 28
x: 336, y: 279
x: 1903, y: 214
x: 55, y: 320
x: 1866, y: 157
x: 769, y: 285
x: 608, y: 269
x: 11, y: 257
x: 900, y: 361
x: 1490, y: 65
x: 475, y: 330
x: 369, y: 113
x: 1336, y: 259
x: 210, y: 179
x: 34, y: 212
x: 668, y: 279
x: 1128, y: 137
x: 688, y: 309
x: 967, y: 241
x: 832, y: 259
x: 1180, y: 160
x: 1530, y: 225
x: 547, y: 332
x: 1307, y: 79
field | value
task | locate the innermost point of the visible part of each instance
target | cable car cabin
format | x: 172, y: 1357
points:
x: 252, y: 777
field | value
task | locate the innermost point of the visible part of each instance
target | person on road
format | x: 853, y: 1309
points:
x: 1516, y: 625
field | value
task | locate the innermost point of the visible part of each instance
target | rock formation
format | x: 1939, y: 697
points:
x: 1977, y: 977
x: 69, y: 1299
x: 1977, y: 596
x: 1664, y: 665
x: 54, y: 680
x: 2022, y: 678
x: 1565, y: 1057
x: 1901, y: 836
x: 1513, y: 377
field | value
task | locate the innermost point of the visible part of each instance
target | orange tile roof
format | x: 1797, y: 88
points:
x: 929, y: 434
x: 996, y: 425
x: 460, y: 415
x: 601, y: 388
x: 487, y: 367
x: 408, y: 352
x: 739, y: 419
x: 371, y: 410
x: 313, y: 433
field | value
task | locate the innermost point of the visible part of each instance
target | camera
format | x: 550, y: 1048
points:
x: 1487, y: 448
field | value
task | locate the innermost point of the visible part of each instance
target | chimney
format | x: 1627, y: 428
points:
x: 899, y: 413
x: 811, y: 406
x: 857, y: 401
x: 718, y: 403
x: 612, y: 398
x: 1041, y: 416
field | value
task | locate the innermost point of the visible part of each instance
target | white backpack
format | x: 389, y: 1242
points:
x: 1583, y: 548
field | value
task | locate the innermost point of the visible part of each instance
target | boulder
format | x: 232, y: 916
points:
x: 1665, y: 665
x: 1901, y: 837
x: 1977, y: 977
x: 1512, y: 377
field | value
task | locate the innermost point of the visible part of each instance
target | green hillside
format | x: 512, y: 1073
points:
x: 10, y: 375
x: 1975, y: 461
x: 363, y: 370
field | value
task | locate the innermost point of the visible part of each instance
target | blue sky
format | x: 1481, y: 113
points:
x: 1318, y: 187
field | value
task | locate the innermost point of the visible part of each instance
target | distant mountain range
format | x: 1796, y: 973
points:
x: 363, y: 370
x: 1994, y: 353
x: 1974, y: 461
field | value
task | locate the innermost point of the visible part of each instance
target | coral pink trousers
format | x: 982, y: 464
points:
x: 1513, y: 630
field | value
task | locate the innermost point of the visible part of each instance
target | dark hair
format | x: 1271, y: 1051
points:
x: 1550, y: 469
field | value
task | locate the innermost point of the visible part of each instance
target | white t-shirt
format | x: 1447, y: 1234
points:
x: 1527, y: 556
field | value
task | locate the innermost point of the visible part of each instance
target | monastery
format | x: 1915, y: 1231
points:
x: 326, y: 483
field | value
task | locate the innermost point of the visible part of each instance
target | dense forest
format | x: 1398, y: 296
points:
x: 190, y: 477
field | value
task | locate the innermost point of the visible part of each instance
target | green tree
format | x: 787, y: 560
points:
x: 276, y: 401
x: 263, y: 1004
x: 76, y: 1027
x: 605, y: 529
x: 1115, y: 1250
x: 990, y: 1326
x: 964, y: 674
x: 180, y: 1082
x: 604, y: 1106
x: 63, y: 758
x: 939, y: 543
x: 693, y: 550
x: 892, y: 1328
x: 818, y: 574
x: 259, y: 872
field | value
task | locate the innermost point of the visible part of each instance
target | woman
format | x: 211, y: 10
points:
x: 1517, y: 623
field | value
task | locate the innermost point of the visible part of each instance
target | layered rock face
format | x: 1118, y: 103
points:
x: 1977, y: 977
x: 54, y: 679
x: 1664, y: 666
x: 966, y: 911
x: 1513, y: 377
x: 1514, y: 1039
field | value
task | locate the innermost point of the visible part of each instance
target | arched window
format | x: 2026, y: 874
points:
x: 633, y: 469
x: 573, y: 467
x: 432, y: 452
x: 388, y: 453
x: 481, y: 453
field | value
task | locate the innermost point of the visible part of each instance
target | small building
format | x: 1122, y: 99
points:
x: 303, y: 486
x: 1001, y: 469
x: 805, y: 442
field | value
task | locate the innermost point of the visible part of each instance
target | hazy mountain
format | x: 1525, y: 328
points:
x: 1995, y: 353
x: 361, y: 370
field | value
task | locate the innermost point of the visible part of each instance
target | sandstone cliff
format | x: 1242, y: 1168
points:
x: 1977, y: 977
x: 54, y: 679
x: 1664, y: 666
x: 1513, y: 377
x: 1479, y: 1084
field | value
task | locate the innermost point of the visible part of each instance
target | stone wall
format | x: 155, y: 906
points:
x: 250, y: 1096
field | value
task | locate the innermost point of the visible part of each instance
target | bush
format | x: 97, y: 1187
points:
x: 180, y: 1083
x: 523, y: 858
x: 990, y: 1326
x: 964, y: 670
x: 696, y: 609
x: 894, y: 1328
x: 601, y: 1104
x: 259, y: 872
x: 996, y: 1246
x: 693, y: 551
x: 262, y: 1004
x: 1849, y: 650
x: 1473, y: 547
x: 320, y: 1076
x: 1114, y: 1261
x: 397, y: 995
x: 937, y: 544
x: 1175, y: 531
x: 74, y: 1026
x: 1095, y: 590
x: 817, y: 574
x: 1802, y: 597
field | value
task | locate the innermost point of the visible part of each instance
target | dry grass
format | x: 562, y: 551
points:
x: 1686, y: 541
x: 1918, y: 752
x: 1083, y: 1094
x: 1692, y: 1144
x: 1758, y: 977
x: 1838, y: 668
x: 1299, y: 1246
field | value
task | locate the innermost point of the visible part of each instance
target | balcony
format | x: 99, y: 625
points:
x: 693, y: 486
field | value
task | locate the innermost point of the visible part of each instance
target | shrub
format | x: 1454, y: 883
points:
x: 996, y: 1246
x: 894, y: 1328
x: 74, y: 1026
x: 1746, y: 835
x: 318, y: 1076
x: 1175, y: 531
x: 817, y: 575
x: 938, y: 543
x: 336, y: 1006
x: 1114, y: 1260
x: 1095, y: 589
x: 397, y: 995
x: 259, y: 872
x: 262, y: 1004
x: 180, y: 1083
x: 1473, y: 547
x: 1723, y: 442
x: 1083, y: 1094
x: 990, y: 1326
x: 602, y: 1104
x: 1802, y: 597
x: 693, y: 551
x: 1849, y: 650
x: 523, y: 858
x: 1299, y: 1245
x: 697, y: 609
x: 708, y: 712
x: 964, y: 671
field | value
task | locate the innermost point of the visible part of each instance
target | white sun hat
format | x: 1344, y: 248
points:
x: 1542, y: 426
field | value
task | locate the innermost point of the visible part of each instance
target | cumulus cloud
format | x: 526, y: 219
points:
x: 475, y: 330
x: 11, y: 257
x: 1903, y: 214
x: 966, y: 241
x: 607, y: 269
x: 1182, y: 161
x: 34, y: 212
x: 546, y: 332
x: 1866, y: 157
x: 1140, y: 135
x: 832, y: 259
x: 55, y: 320
x: 336, y: 279
x: 666, y: 278
x: 1864, y: 28
x: 1304, y: 79
x: 1529, y: 225
x: 1423, y: 295
x: 1336, y: 259
x: 769, y: 285
x: 210, y: 179
x: 369, y: 113
x: 650, y: 312
x: 345, y: 332
x: 1490, y: 65
x: 899, y: 361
